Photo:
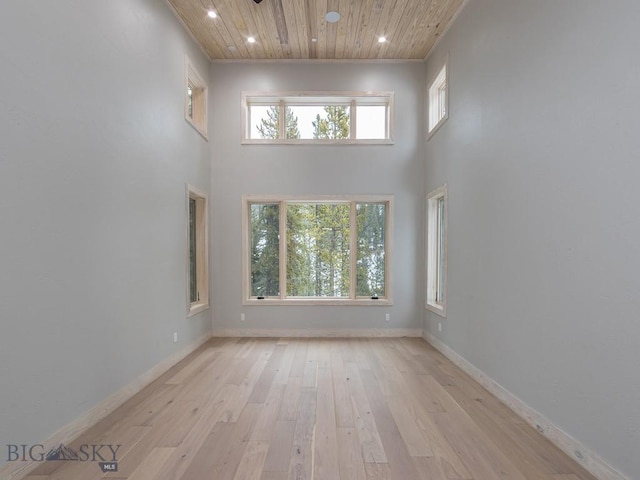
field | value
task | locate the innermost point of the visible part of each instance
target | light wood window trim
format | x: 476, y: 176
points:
x: 284, y: 98
x: 202, y: 251
x: 198, y: 99
x: 432, y: 251
x: 282, y: 200
x: 442, y: 72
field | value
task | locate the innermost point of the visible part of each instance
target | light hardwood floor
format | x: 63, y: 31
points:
x: 323, y: 409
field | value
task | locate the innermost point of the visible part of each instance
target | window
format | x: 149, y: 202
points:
x: 317, y: 250
x: 437, y: 251
x: 195, y: 102
x: 197, y: 252
x: 317, y: 118
x: 438, y: 101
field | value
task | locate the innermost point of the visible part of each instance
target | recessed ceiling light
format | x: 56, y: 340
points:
x: 382, y: 39
x: 212, y: 14
x: 332, y: 17
x: 231, y: 48
x: 251, y: 40
x: 314, y: 39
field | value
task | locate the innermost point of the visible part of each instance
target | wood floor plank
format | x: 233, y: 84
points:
x: 291, y: 399
x: 325, y: 435
x: 395, y: 449
x: 378, y: 471
x: 322, y: 409
x: 413, y: 439
x: 344, y: 410
x: 280, y: 447
x: 269, y: 415
x: 350, y: 460
x: 301, y: 463
x: 372, y: 449
x: 153, y: 464
x: 252, y: 461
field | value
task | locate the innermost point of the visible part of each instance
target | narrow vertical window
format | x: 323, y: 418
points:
x: 438, y: 100
x: 193, y: 255
x: 197, y: 252
x: 437, y: 250
x: 195, y: 101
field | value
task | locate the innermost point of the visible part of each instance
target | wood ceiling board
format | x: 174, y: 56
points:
x: 284, y: 28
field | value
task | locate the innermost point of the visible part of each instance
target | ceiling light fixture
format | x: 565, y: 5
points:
x: 251, y: 40
x: 382, y: 39
x: 314, y: 39
x: 332, y: 17
x: 212, y: 14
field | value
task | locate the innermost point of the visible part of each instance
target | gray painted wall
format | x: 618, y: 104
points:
x: 355, y: 169
x: 94, y: 157
x: 541, y: 154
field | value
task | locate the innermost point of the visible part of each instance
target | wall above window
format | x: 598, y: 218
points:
x: 317, y: 118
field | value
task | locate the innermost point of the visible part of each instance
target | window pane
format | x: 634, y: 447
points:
x: 265, y: 250
x: 193, y: 280
x: 440, y: 253
x: 370, y: 263
x: 318, y: 121
x: 190, y: 100
x: 318, y: 257
x: 264, y: 121
x: 371, y: 122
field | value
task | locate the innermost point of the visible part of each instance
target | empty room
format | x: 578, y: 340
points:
x: 319, y: 239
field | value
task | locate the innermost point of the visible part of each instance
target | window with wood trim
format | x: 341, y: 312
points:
x: 437, y: 251
x: 317, y: 118
x: 438, y: 100
x: 197, y: 252
x: 317, y: 250
x: 195, y: 102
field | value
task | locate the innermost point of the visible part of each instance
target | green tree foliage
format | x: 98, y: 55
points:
x: 318, y: 249
x: 370, y: 262
x: 335, y: 125
x: 270, y: 126
x: 265, y: 250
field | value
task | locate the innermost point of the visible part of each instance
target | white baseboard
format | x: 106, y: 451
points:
x: 329, y: 333
x: 589, y: 460
x: 71, y: 431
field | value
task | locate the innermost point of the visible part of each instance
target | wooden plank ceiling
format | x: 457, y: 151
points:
x: 297, y: 29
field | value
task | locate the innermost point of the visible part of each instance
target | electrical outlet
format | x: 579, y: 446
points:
x: 175, y: 337
x: 387, y: 317
x: 242, y: 317
x: 439, y: 326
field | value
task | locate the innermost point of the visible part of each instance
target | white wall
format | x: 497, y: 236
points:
x: 542, y: 157
x: 355, y: 169
x: 94, y: 157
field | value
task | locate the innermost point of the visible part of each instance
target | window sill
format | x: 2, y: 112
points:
x: 437, y: 309
x: 433, y: 131
x: 196, y: 308
x: 260, y: 141
x: 201, y: 131
x: 272, y: 302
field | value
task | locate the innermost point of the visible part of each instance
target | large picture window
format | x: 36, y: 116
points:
x: 317, y: 250
x: 317, y: 118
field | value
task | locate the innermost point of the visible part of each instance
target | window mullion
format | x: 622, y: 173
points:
x: 353, y: 249
x: 282, y: 121
x: 283, y: 250
x: 352, y: 120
